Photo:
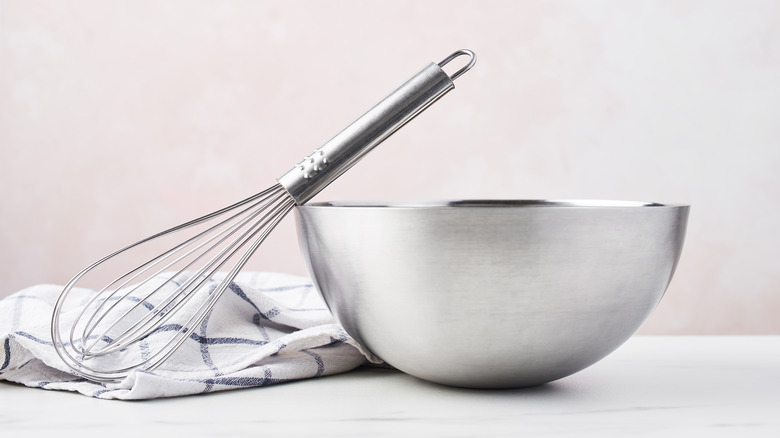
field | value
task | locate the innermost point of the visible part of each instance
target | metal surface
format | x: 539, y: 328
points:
x: 492, y: 294
x: 167, y: 292
x: 335, y: 157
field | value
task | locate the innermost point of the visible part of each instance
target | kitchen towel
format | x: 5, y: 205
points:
x: 267, y: 328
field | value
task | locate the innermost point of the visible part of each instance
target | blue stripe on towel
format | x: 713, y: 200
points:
x: 7, y: 349
x: 318, y: 359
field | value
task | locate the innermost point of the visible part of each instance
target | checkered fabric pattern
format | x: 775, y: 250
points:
x: 267, y: 328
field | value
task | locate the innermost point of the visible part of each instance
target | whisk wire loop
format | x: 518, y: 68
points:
x: 181, y: 294
x: 104, y: 323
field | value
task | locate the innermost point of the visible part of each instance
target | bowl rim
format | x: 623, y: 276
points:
x: 491, y: 203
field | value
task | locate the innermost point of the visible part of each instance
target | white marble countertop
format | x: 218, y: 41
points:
x: 711, y: 386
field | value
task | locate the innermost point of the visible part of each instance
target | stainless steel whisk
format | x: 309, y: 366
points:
x: 171, y: 293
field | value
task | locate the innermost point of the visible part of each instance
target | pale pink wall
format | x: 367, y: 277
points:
x: 120, y: 118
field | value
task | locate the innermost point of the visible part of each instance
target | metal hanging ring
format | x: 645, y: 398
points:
x: 465, y: 68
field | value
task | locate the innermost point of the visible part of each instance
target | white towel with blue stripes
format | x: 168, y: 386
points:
x: 268, y: 328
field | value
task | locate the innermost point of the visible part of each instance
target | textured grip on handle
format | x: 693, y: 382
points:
x: 339, y: 154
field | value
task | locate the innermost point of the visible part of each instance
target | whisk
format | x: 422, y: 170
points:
x: 171, y: 293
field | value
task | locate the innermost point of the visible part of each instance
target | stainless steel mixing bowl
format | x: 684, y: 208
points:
x: 491, y: 294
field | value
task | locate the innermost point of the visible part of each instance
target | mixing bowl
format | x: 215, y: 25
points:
x: 491, y: 294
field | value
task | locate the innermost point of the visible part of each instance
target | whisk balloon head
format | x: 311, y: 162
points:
x: 142, y: 316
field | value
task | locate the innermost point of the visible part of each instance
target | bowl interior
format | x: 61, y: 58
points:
x: 486, y: 203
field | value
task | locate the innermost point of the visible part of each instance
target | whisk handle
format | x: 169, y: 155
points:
x: 340, y: 153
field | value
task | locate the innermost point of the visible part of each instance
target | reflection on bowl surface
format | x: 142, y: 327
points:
x: 491, y: 294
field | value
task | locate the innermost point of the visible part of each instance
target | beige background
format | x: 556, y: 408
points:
x: 118, y: 119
